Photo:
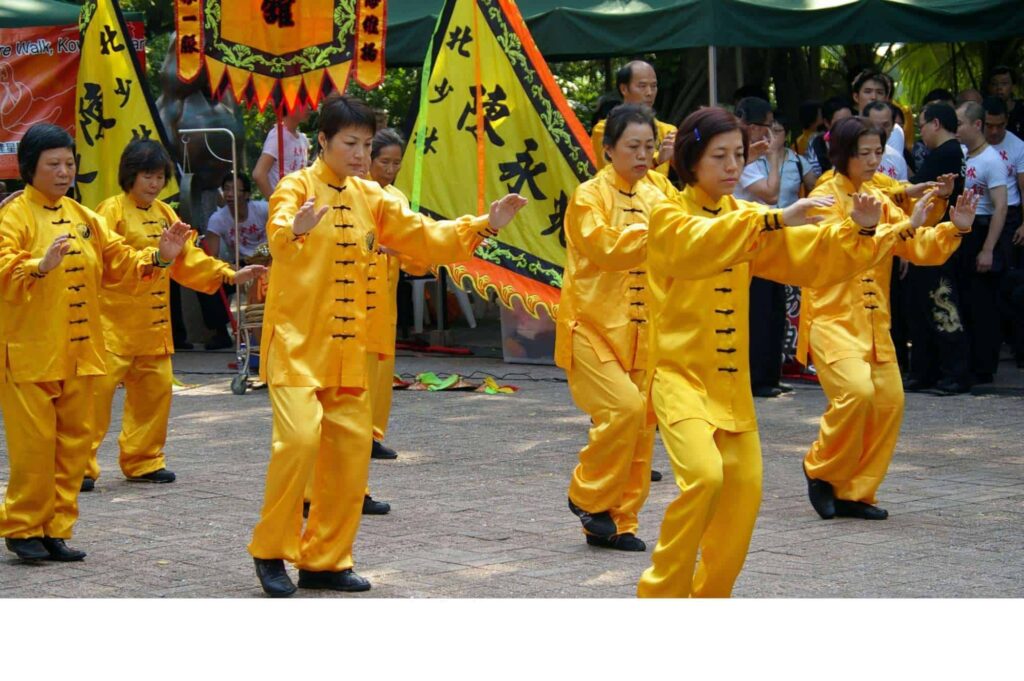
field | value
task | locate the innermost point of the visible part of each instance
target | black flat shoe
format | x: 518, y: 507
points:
x: 371, y: 507
x: 28, y: 549
x: 161, y: 476
x: 946, y: 388
x: 655, y: 476
x: 219, y: 342
x: 858, y: 509
x: 822, y: 497
x: 382, y: 451
x: 785, y: 387
x: 596, y: 524
x: 622, y: 542
x: 916, y: 385
x: 766, y: 391
x: 274, y: 578
x: 60, y: 551
x: 88, y: 484
x: 345, y: 580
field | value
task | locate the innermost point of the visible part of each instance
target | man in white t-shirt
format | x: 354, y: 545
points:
x: 1011, y: 150
x: 267, y: 172
x: 252, y: 222
x: 892, y: 164
x: 982, y: 260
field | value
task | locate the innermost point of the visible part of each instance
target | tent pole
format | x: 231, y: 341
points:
x: 712, y: 76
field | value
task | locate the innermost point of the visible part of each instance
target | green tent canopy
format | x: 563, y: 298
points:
x: 30, y: 13
x: 590, y: 29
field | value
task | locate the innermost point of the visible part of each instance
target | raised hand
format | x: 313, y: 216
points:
x: 504, y: 209
x: 248, y: 273
x: 946, y: 184
x: 962, y: 214
x: 866, y: 211
x: 916, y: 191
x: 307, y: 217
x: 173, y: 240
x: 758, y: 149
x: 921, y: 208
x: 55, y: 254
x: 798, y: 212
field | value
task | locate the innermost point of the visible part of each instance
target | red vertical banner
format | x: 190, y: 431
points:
x: 371, y: 27
x: 38, y: 70
x: 188, y: 22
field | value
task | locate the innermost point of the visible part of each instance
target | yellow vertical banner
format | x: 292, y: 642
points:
x: 112, y: 104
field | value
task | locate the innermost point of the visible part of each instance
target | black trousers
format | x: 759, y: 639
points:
x: 980, y: 298
x: 1011, y: 286
x: 939, y: 344
x: 178, y: 330
x: 899, y: 327
x: 214, y: 311
x: 767, y: 329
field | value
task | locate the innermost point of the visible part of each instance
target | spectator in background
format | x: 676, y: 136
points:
x: 604, y: 106
x: 1000, y: 84
x: 882, y: 115
x: 267, y: 172
x: 920, y: 149
x: 981, y: 258
x: 939, y: 356
x: 811, y: 122
x: 833, y: 110
x: 968, y: 95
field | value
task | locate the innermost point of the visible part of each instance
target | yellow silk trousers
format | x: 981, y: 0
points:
x: 381, y: 390
x: 719, y: 478
x: 148, y: 382
x: 860, y: 427
x: 614, y: 470
x: 326, y: 433
x: 49, y: 435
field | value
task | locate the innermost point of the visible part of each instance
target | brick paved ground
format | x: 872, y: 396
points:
x: 479, y: 502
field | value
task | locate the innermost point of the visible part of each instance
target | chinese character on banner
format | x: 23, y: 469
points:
x: 527, y: 140
x: 278, y: 52
x: 112, y: 104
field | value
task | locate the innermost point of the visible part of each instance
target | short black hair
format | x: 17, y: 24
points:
x: 695, y: 134
x: 870, y: 74
x: 386, y: 137
x: 844, y: 138
x: 37, y: 139
x: 1003, y: 70
x: 941, y: 112
x: 878, y: 105
x: 603, y: 107
x: 973, y: 111
x: 749, y: 90
x: 832, y: 105
x: 994, y: 106
x: 808, y: 113
x: 143, y: 156
x: 620, y: 118
x: 939, y: 94
x: 343, y: 111
x: 242, y: 177
x: 753, y: 110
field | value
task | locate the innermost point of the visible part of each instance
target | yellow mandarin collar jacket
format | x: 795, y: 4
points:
x: 50, y: 324
x: 701, y: 254
x: 141, y: 324
x: 597, y: 142
x: 604, y: 290
x: 314, y: 326
x: 851, y: 318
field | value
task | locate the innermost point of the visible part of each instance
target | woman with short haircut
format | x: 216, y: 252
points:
x: 844, y: 327
x: 55, y: 255
x: 703, y: 247
x: 137, y: 327
x: 601, y: 338
x: 325, y: 225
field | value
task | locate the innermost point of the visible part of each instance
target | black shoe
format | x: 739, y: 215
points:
x: 220, y: 341
x: 623, y: 542
x: 766, y: 391
x: 88, y: 484
x: 596, y: 524
x: 382, y: 451
x: 305, y: 509
x: 916, y: 385
x: 345, y: 580
x: 785, y: 387
x: 28, y: 549
x: 183, y: 345
x: 858, y: 509
x: 273, y: 577
x: 822, y: 497
x: 947, y: 387
x: 161, y: 476
x: 656, y: 476
x: 371, y: 507
x: 60, y: 551
x: 984, y: 379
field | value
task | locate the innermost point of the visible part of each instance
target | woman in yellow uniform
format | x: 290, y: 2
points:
x: 325, y: 223
x: 601, y: 337
x: 137, y: 328
x: 844, y: 328
x: 703, y: 246
x: 55, y: 255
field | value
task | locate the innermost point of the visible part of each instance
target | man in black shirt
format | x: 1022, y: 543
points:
x: 1000, y: 84
x: 939, y: 360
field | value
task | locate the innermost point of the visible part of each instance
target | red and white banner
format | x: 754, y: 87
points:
x: 38, y: 73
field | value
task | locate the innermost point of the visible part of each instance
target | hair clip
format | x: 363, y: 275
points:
x: 828, y: 136
x: 696, y: 133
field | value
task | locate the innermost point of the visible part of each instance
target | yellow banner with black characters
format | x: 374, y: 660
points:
x: 492, y: 120
x: 112, y: 104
